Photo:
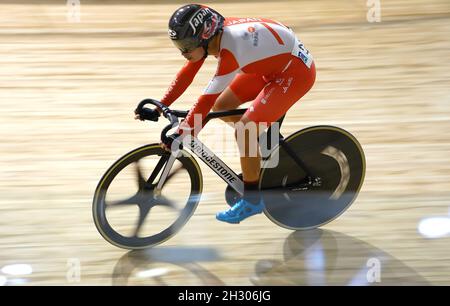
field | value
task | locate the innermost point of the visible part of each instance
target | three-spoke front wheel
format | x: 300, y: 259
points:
x: 129, y: 211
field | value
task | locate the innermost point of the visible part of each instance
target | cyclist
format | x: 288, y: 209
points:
x: 259, y: 60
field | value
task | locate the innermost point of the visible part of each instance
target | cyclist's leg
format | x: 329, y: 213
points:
x: 244, y: 88
x: 271, y: 103
x: 281, y: 93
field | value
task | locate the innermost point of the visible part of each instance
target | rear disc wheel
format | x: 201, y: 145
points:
x: 334, y: 157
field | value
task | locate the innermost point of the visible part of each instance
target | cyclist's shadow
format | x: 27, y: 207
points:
x: 324, y: 257
x: 166, y: 266
x: 315, y: 257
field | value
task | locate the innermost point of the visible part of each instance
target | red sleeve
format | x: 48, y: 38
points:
x: 227, y: 69
x: 182, y: 81
x: 200, y: 110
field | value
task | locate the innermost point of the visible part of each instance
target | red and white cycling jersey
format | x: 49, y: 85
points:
x: 254, y: 46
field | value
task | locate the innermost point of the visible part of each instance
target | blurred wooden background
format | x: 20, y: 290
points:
x: 67, y: 95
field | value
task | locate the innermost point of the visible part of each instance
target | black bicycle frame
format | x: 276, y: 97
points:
x: 207, y: 156
x: 268, y: 136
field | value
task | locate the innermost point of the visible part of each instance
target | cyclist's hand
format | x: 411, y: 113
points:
x: 147, y: 114
x: 168, y: 144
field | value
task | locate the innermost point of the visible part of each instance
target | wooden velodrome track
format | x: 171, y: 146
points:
x: 67, y: 92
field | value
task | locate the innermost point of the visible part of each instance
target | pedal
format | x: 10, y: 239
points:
x: 309, y: 182
x: 317, y: 182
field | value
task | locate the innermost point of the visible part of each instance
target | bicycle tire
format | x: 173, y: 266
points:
x: 99, y: 203
x: 303, y: 210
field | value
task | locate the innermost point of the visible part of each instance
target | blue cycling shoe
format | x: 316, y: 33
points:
x: 240, y: 211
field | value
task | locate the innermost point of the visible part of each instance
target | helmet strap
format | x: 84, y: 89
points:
x: 206, y: 43
x: 205, y: 47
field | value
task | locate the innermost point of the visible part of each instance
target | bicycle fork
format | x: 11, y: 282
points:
x: 167, y: 167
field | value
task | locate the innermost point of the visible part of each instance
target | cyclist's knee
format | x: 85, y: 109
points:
x: 221, y: 105
x: 248, y: 124
x: 217, y: 107
x: 226, y: 101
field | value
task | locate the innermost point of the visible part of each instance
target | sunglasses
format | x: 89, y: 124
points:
x: 186, y: 45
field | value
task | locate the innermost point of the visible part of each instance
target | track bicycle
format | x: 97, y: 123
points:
x: 318, y: 174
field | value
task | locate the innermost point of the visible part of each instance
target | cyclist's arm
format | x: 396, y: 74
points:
x: 182, y: 81
x: 227, y: 70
